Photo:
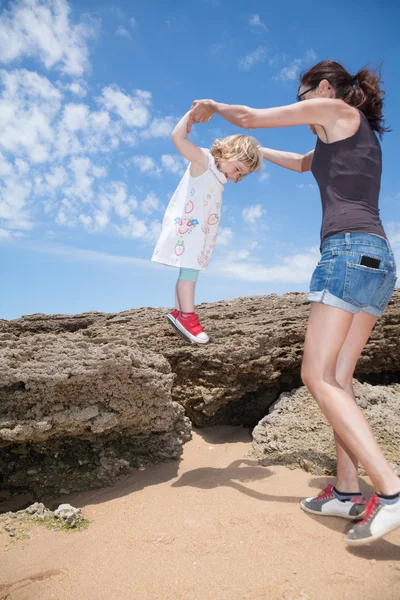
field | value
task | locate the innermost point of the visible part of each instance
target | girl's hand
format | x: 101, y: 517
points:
x: 201, y: 111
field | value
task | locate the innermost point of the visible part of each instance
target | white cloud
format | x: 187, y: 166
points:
x: 146, y: 164
x: 297, y: 268
x: 83, y: 255
x: 253, y: 213
x: 225, y: 236
x: 292, y: 71
x: 4, y: 234
x: 308, y: 186
x: 217, y: 48
x: 248, y: 61
x: 134, y: 228
x: 277, y: 59
x: 133, y: 110
x: 75, y: 116
x: 123, y: 32
x: 173, y: 163
x: 28, y: 104
x: 77, y: 88
x: 256, y: 22
x: 160, y: 127
x: 126, y: 30
x: 264, y: 176
x: 42, y: 29
x: 81, y: 180
x: 55, y: 151
x: 150, y: 204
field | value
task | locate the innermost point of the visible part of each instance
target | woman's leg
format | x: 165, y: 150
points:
x: 356, y: 339
x: 327, y: 331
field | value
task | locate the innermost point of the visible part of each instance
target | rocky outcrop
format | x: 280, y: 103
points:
x: 84, y: 397
x: 296, y: 434
x: 77, y: 412
x: 255, y: 351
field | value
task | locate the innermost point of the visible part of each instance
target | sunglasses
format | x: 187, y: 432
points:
x: 299, y: 96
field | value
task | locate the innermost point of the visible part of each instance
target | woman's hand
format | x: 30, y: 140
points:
x: 201, y: 111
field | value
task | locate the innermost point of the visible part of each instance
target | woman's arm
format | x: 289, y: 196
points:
x: 288, y: 160
x: 318, y: 111
x: 190, y: 151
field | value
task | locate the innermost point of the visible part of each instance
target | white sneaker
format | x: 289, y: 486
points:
x: 379, y: 520
x: 326, y: 504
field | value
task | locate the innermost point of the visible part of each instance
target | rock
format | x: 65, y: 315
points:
x: 69, y: 514
x: 254, y: 354
x: 80, y: 393
x: 75, y: 410
x: 36, y: 511
x: 296, y: 434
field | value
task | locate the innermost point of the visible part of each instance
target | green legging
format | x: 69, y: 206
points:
x: 188, y: 274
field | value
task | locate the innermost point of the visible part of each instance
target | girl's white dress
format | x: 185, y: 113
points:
x: 191, y: 221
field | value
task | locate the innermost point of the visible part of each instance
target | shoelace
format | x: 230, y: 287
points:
x: 326, y: 493
x: 370, y: 509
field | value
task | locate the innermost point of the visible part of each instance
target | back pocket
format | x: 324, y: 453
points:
x: 362, y: 284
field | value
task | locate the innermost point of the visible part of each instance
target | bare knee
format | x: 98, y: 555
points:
x: 316, y: 381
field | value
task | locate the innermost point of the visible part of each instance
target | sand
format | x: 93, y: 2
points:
x: 214, y: 526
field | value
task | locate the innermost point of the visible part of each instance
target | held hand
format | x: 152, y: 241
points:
x: 201, y: 111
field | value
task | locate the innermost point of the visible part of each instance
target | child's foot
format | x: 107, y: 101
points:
x: 190, y: 327
x: 172, y: 316
x: 327, y: 504
x: 172, y: 321
x: 382, y: 516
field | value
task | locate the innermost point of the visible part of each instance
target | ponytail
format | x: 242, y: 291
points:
x: 362, y: 91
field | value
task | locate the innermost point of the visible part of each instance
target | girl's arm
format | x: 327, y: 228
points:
x: 288, y: 160
x: 318, y: 111
x: 190, y: 151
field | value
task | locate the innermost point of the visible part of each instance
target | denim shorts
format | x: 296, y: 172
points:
x: 356, y: 272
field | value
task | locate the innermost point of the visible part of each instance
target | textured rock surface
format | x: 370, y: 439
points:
x: 83, y: 397
x: 296, y: 434
x: 255, y: 350
x: 76, y: 412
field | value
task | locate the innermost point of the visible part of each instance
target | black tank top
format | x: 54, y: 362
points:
x: 348, y: 173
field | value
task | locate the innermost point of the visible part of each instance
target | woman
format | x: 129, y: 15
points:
x: 354, y: 280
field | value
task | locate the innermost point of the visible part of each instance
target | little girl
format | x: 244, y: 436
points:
x: 191, y: 221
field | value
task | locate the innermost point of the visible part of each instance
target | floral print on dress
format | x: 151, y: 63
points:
x: 189, y: 207
x: 213, y: 219
x: 185, y: 225
x: 180, y: 247
x: 191, y: 222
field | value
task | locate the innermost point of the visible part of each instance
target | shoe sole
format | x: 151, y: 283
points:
x: 370, y: 539
x: 188, y: 336
x: 321, y: 514
x: 172, y: 322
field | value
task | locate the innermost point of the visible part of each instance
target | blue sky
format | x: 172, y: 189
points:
x: 89, y: 94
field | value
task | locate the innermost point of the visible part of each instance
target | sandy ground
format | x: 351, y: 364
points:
x: 214, y: 526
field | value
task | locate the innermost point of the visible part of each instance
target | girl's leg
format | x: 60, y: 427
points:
x: 177, y: 305
x: 357, y: 337
x: 187, y: 322
x: 327, y: 330
x: 185, y: 289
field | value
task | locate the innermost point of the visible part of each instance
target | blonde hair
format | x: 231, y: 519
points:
x: 238, y: 147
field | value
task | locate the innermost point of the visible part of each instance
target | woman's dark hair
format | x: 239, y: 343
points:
x: 361, y: 90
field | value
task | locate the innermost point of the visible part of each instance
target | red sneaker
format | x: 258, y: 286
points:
x: 172, y: 316
x: 191, y: 328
